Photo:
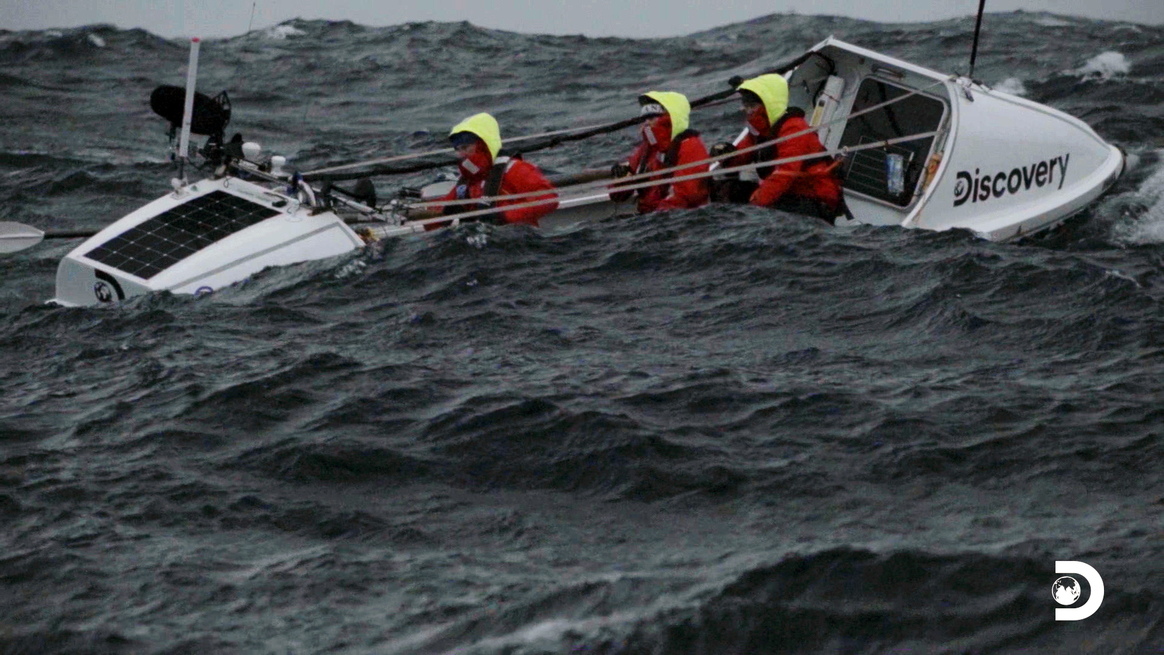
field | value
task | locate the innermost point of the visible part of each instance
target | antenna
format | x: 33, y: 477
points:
x: 253, y: 5
x: 188, y: 112
x: 977, y: 29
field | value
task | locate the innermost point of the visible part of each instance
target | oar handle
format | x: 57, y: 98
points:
x: 69, y: 234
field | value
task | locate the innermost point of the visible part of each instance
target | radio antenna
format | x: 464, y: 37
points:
x: 188, y: 110
x: 977, y: 29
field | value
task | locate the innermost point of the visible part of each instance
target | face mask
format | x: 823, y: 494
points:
x: 477, y: 163
x: 758, y: 121
x: 657, y: 132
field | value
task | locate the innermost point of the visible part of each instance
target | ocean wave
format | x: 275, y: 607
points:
x: 849, y: 600
x: 839, y: 600
x: 1105, y: 66
x: 63, y: 642
x: 337, y: 462
x: 606, y: 437
x: 1145, y: 208
x: 283, y: 32
x: 1013, y: 86
x: 534, y: 444
x: 27, y: 159
x: 283, y: 393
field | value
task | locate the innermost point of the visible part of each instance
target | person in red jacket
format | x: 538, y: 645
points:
x: 667, y: 142
x: 477, y: 141
x: 806, y: 186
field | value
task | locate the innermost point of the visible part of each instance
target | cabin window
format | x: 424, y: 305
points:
x: 867, y: 171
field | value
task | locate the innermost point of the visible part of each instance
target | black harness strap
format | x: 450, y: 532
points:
x: 773, y: 151
x: 493, y: 182
x: 672, y: 156
x: 490, y: 189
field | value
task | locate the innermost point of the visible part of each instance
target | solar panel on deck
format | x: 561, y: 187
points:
x: 170, y: 237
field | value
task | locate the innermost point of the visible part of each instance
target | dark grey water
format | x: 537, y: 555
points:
x: 716, y: 431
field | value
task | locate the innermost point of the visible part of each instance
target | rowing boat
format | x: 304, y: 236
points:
x: 918, y: 149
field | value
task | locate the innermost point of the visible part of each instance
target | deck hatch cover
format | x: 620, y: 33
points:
x: 166, y: 239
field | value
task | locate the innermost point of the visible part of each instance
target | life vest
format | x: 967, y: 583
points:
x: 772, y: 152
x: 490, y: 189
x: 670, y: 160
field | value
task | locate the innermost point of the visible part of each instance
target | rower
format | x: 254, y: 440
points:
x: 667, y: 142
x: 808, y: 186
x: 484, y: 174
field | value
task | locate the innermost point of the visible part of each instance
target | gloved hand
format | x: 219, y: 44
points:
x: 621, y: 169
x: 763, y: 196
x: 721, y: 149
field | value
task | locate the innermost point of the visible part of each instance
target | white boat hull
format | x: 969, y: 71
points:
x: 149, y: 250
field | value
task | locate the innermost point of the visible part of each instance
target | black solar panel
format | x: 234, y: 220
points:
x: 172, y: 236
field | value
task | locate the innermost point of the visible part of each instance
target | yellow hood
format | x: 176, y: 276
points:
x: 484, y: 126
x: 677, y: 107
x: 773, y: 92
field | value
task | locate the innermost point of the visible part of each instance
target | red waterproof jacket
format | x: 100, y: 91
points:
x: 685, y: 148
x: 810, y: 178
x: 520, y: 177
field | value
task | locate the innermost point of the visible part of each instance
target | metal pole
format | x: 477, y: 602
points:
x: 188, y: 112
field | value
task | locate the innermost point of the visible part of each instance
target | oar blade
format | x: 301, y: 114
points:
x: 15, y: 237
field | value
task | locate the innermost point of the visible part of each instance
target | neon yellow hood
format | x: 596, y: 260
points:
x: 677, y: 107
x: 485, y: 127
x: 773, y: 92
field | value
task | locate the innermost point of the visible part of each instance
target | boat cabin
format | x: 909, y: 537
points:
x: 999, y: 165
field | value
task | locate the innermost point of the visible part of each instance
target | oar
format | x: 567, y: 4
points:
x: 581, y: 177
x: 15, y: 237
x: 557, y: 139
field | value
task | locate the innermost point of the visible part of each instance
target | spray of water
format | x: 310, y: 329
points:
x: 1147, y: 204
x: 1104, y: 66
x: 1013, y: 86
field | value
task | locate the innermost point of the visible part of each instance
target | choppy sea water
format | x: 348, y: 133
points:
x: 715, y: 431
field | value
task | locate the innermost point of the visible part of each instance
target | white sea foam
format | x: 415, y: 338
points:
x: 1149, y: 226
x: 1051, y: 22
x: 280, y: 32
x: 97, y: 41
x: 1013, y: 86
x: 1104, y: 66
